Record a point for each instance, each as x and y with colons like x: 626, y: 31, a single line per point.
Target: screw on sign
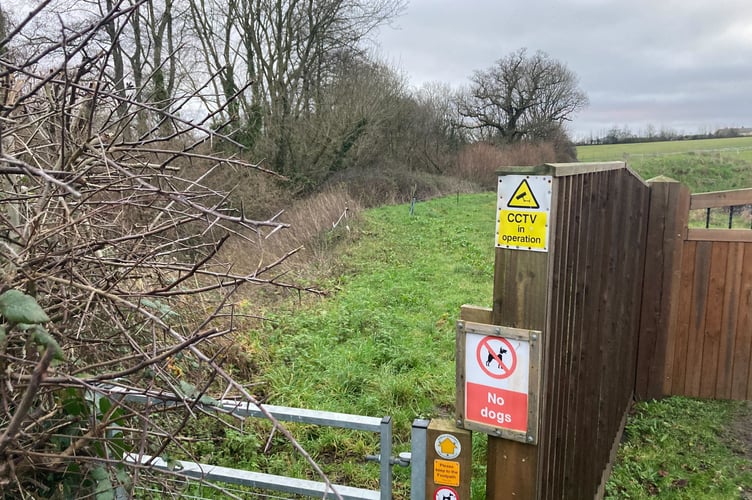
x: 496, y: 357
x: 446, y: 493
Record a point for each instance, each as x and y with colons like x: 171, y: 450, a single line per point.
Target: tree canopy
x: 521, y: 96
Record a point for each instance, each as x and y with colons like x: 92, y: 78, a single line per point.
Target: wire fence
x: 738, y: 151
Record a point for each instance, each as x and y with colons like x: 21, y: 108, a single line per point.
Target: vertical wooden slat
x: 592, y: 424
x: 570, y: 478
x: 640, y: 211
x: 697, y: 319
x: 628, y: 270
x: 680, y: 332
x: 575, y: 345
x: 618, y: 278
x: 678, y: 245
x: 606, y: 305
x: 553, y: 393
x: 568, y: 342
x: 713, y: 317
x: 611, y: 240
x: 583, y: 467
x: 729, y: 320
x: 653, y: 287
x: 622, y: 318
x: 742, y: 352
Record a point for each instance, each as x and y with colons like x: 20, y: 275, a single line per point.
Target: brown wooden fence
x: 696, y: 338
x: 632, y: 304
x: 584, y: 294
x: 596, y: 274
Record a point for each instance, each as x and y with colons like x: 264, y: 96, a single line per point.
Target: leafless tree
x: 433, y: 133
x: 110, y: 268
x: 521, y: 96
x: 288, y: 51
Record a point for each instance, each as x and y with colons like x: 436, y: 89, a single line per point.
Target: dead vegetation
x: 128, y: 240
x: 114, y: 273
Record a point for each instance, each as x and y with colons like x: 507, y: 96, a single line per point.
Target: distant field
x: 740, y: 147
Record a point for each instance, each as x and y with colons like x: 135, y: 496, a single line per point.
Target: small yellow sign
x: 446, y: 472
x: 447, y: 446
x: 523, y: 229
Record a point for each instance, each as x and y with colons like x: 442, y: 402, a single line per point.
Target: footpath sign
x: 449, y: 461
x: 498, y: 380
x: 524, y: 210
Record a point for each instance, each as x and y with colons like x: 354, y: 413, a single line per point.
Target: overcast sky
x: 682, y: 64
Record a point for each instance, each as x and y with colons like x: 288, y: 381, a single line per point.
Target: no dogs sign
x: 499, y: 382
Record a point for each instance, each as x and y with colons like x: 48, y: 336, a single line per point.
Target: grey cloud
x: 663, y: 62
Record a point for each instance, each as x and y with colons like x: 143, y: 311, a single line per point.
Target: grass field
x: 682, y: 448
x: 734, y: 148
x: 703, y: 165
x: 383, y: 344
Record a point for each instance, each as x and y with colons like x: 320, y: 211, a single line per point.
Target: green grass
x: 383, y: 344
x: 704, y: 165
x: 679, y: 448
x: 701, y: 173
x: 739, y: 147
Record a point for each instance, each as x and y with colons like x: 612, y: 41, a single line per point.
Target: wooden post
x: 667, y: 223
x: 520, y: 299
x: 449, y: 461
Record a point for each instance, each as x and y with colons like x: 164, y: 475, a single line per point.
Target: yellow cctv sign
x: 524, y: 207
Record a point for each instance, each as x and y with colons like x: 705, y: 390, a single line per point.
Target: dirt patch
x: 739, y: 438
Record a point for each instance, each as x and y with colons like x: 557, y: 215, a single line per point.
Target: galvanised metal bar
x: 418, y: 459
x: 283, y: 413
x: 283, y: 484
x: 245, y: 409
x: 385, y: 459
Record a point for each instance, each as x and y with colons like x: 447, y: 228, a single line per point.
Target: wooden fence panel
x: 669, y: 202
x: 596, y: 270
x: 679, y: 369
x: 709, y: 341
x: 557, y: 388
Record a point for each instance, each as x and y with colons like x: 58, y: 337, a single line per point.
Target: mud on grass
x: 739, y: 440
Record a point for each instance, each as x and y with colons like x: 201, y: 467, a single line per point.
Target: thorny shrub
x: 110, y: 274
